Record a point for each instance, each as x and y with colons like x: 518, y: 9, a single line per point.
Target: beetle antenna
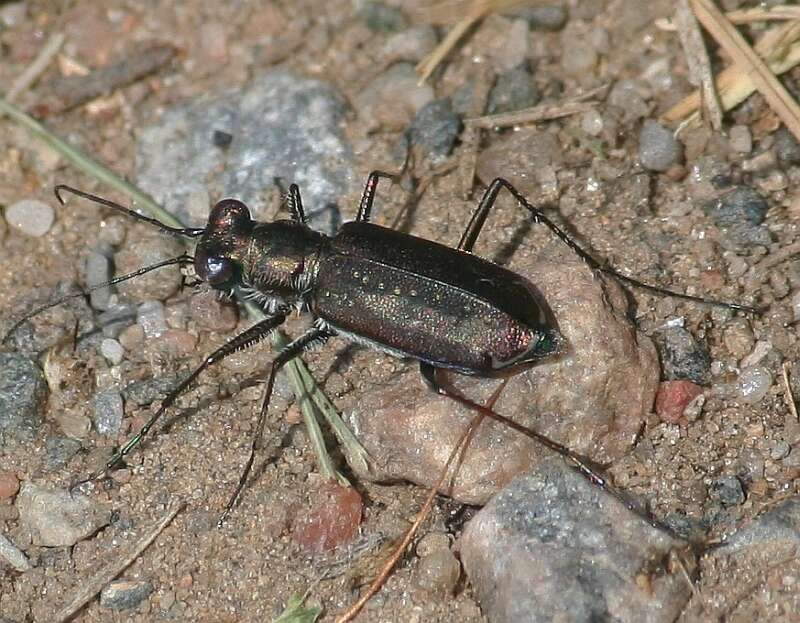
x: 181, y: 260
x: 186, y: 232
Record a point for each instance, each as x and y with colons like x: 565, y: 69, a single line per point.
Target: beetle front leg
x: 245, y: 339
x: 294, y: 349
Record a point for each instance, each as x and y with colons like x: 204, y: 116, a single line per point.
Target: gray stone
x: 116, y: 318
x: 283, y: 125
x: 98, y: 270
x: 151, y: 317
x: 435, y: 129
x: 59, y: 450
x: 513, y: 90
x: 145, y: 248
x: 685, y: 357
x: 592, y: 398
x: 107, y: 412
x: 552, y: 546
x: 56, y: 518
x: 23, y: 391
x: 30, y: 217
x: 728, y: 490
x: 147, y: 391
x: 13, y: 555
x: 112, y: 350
x: 548, y: 17
x: 123, y: 595
x: 658, y: 148
x: 740, y: 214
x: 392, y: 99
x: 381, y: 17
x: 786, y: 147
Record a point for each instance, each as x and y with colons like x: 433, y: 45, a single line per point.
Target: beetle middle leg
x: 312, y: 337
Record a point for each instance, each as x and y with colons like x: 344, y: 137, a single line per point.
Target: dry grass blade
x: 697, y: 59
x: 117, y: 565
x: 788, y: 387
x: 542, y: 112
x: 779, y: 47
x: 745, y: 57
x: 37, y: 67
x: 745, y: 16
x: 477, y: 10
x: 471, y: 137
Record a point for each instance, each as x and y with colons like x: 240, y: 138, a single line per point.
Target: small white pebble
x: 741, y: 139
x: 112, y: 351
x: 30, y: 217
x: 754, y: 383
x: 150, y: 316
x: 592, y: 123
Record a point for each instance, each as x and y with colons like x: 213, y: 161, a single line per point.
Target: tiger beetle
x: 410, y: 297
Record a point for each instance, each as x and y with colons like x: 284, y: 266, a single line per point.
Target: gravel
x: 23, y: 391
x: 685, y: 357
x: 123, y: 594
x: 30, y: 217
x: 658, y: 148
x: 434, y: 130
x: 98, y: 270
x: 513, y: 90
x: 728, y: 490
x: 107, y: 412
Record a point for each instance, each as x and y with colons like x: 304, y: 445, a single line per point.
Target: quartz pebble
x: 112, y: 350
x: 754, y: 383
x: 30, y: 217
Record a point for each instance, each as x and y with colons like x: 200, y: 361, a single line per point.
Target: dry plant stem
x: 543, y: 112
x: 743, y: 55
x: 745, y: 16
x: 780, y: 48
x: 117, y: 565
x: 788, y: 387
x: 471, y: 137
x: 389, y: 565
x: 476, y: 12
x: 28, y: 77
x: 697, y: 59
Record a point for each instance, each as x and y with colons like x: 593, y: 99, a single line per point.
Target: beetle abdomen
x: 445, y: 307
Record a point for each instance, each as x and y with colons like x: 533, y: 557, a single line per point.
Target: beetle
x: 445, y: 307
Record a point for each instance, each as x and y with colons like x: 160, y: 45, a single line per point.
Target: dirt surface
x: 651, y: 225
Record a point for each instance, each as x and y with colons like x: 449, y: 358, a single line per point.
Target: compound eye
x: 217, y: 270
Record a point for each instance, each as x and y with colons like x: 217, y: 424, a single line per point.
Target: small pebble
x: 59, y: 450
x: 578, y: 57
x: 144, y: 249
x: 211, y: 313
x: 12, y: 13
x: 131, y: 338
x: 122, y: 594
x: 107, y: 411
x: 741, y: 139
x: 30, y: 217
x: 73, y: 423
x: 9, y: 485
x: 673, y: 397
x: 143, y: 393
x: 112, y: 350
x: 740, y: 205
x: 410, y: 45
x: 435, y: 129
x: 786, y: 147
x: 438, y: 572
x: 14, y: 557
x: 116, y: 319
x: 393, y: 98
x: 780, y: 450
x: 513, y: 90
x: 113, y: 230
x: 728, y: 490
x: 380, y: 17
x: 515, y: 48
x: 334, y: 519
x: 626, y: 95
x: 685, y: 357
x: 150, y: 316
x: 739, y: 338
x: 56, y: 518
x: 98, y: 270
x: 658, y: 147
x: 592, y: 123
x: 549, y: 17
x: 23, y: 391
x: 754, y: 383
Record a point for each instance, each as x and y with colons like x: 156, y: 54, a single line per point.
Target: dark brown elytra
x: 408, y: 296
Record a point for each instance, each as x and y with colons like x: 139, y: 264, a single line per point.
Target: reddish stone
x: 673, y: 397
x: 9, y: 485
x: 333, y: 521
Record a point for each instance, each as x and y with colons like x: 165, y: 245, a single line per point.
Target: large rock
x: 592, y: 399
x: 554, y: 547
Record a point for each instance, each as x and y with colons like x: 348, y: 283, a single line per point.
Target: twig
x: 743, y: 55
x: 745, y: 16
x: 761, y: 270
x: 115, y: 566
x: 477, y: 11
x: 788, y: 387
x: 28, y: 77
x: 780, y: 49
x: 471, y: 137
x: 543, y: 112
x: 697, y: 59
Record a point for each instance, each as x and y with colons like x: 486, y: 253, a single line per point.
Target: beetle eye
x: 217, y: 270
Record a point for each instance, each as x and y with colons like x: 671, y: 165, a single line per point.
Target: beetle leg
x: 488, y: 200
x: 292, y: 199
x: 368, y: 196
x: 312, y: 337
x: 245, y: 339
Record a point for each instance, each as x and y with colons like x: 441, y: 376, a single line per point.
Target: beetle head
x: 218, y: 257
